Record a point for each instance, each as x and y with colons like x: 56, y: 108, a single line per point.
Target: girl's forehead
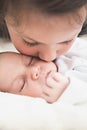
x: 37, y: 26
x: 31, y: 17
x: 46, y: 31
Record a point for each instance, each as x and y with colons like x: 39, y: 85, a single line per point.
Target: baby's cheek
x: 38, y: 91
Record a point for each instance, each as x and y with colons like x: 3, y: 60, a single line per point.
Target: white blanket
x: 26, y: 113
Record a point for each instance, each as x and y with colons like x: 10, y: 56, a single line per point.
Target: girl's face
x: 44, y: 36
x: 24, y: 75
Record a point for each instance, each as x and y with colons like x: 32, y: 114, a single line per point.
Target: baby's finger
x: 48, y: 98
x: 47, y: 90
x: 51, y: 82
x: 57, y: 78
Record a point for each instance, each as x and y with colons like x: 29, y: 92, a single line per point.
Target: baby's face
x: 24, y: 75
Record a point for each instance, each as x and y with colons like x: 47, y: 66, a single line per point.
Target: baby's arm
x: 56, y: 84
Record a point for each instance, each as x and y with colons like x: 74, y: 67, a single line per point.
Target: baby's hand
x: 56, y: 84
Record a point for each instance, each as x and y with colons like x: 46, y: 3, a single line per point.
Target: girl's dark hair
x: 84, y: 29
x: 50, y: 7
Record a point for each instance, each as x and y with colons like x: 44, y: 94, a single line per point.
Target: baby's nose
x: 35, y: 72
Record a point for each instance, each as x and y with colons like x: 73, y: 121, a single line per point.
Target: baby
x: 29, y: 76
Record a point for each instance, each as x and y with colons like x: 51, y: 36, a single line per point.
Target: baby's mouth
x: 47, y: 74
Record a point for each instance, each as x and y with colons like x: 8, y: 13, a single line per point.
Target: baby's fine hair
x: 49, y: 7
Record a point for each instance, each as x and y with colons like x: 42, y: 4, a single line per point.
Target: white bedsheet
x: 26, y: 113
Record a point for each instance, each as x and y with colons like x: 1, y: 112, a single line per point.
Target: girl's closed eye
x: 68, y: 42
x: 31, y: 44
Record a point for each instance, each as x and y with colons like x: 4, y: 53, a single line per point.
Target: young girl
x: 42, y: 28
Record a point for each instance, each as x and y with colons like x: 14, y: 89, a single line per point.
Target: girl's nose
x: 35, y: 72
x: 49, y: 54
